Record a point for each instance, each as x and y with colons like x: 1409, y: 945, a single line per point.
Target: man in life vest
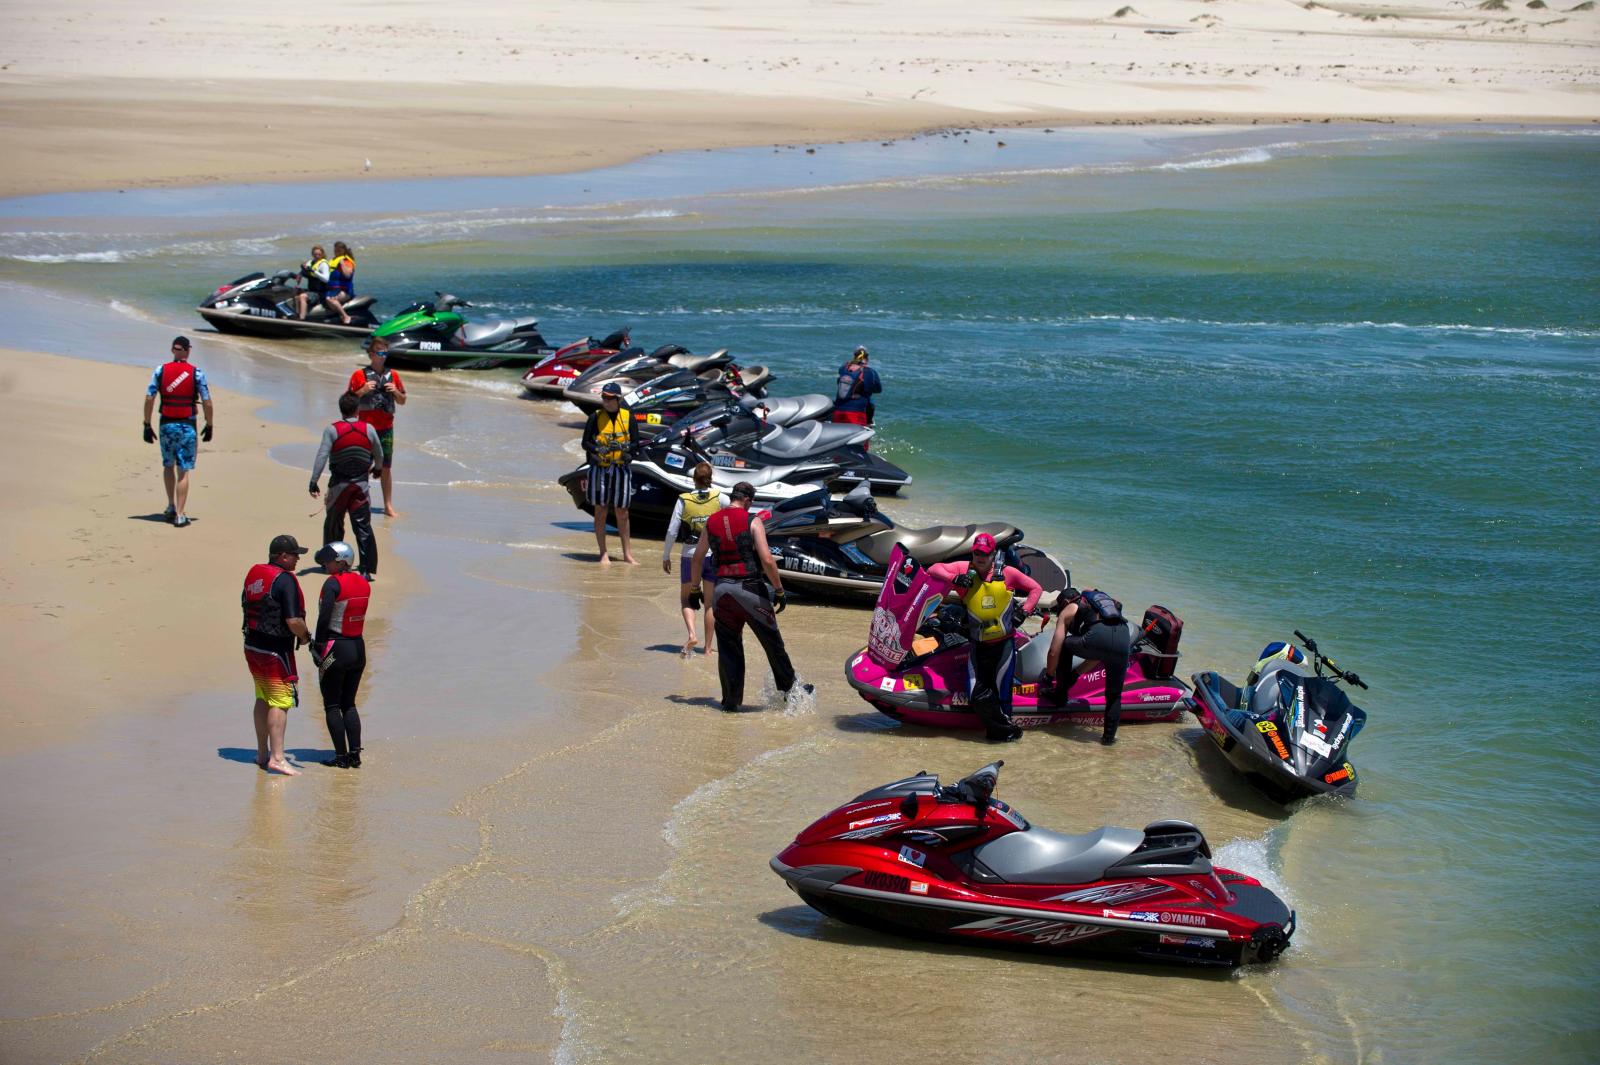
x: 352, y: 452
x: 182, y: 388
x: 989, y: 591
x: 858, y: 383
x: 274, y: 625
x: 341, y: 287
x: 737, y: 541
x: 380, y: 391
x: 1090, y: 625
x: 316, y: 271
x: 608, y: 441
x: 340, y: 650
x: 689, y: 515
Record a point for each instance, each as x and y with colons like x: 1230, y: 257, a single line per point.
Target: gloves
x: 779, y: 600
x: 315, y: 489
x: 205, y: 434
x: 149, y: 434
x: 964, y: 581
x: 697, y: 599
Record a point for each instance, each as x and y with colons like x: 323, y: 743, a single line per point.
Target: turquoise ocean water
x: 1346, y: 381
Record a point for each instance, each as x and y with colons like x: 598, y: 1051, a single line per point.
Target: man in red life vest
x: 340, y: 650
x: 380, y: 391
x: 741, y: 597
x: 274, y: 625
x: 182, y: 388
x: 352, y: 452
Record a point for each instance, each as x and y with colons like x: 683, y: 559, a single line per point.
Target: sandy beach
x: 179, y: 93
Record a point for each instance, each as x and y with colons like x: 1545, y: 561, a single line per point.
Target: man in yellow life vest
x: 988, y: 589
x: 608, y: 441
x: 689, y: 516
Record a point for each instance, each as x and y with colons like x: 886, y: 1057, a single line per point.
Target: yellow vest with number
x: 611, y: 437
x: 987, y: 604
x: 698, y: 507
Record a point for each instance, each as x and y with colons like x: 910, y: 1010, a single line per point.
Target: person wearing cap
x: 989, y: 590
x: 352, y: 452
x: 182, y: 387
x: 737, y: 542
x: 274, y: 625
x: 1090, y: 625
x: 380, y: 390
x: 340, y: 650
x: 858, y: 383
x: 608, y: 441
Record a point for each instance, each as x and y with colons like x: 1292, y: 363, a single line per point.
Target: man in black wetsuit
x: 1090, y: 625
x: 741, y: 597
x: 340, y: 650
x: 352, y: 451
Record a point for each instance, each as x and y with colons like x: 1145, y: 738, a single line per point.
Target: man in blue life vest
x: 182, y: 388
x: 858, y: 383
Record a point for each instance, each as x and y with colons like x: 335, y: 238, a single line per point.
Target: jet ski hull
x: 1249, y: 750
x: 245, y: 323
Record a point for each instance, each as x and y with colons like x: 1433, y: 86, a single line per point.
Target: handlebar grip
x: 1311, y: 645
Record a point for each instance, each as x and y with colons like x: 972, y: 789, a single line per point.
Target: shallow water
x: 1343, y: 380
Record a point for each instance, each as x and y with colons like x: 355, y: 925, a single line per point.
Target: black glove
x: 697, y: 599
x: 149, y: 434
x: 779, y: 600
x: 964, y: 581
x: 205, y: 434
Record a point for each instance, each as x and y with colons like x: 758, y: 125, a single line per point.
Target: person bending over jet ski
x: 689, y: 515
x: 988, y: 590
x: 1090, y: 625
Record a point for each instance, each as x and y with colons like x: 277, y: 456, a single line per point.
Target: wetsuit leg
x: 989, y: 665
x: 729, y: 616
x: 764, y: 623
x: 1110, y: 645
x: 360, y: 507
x: 332, y: 684
x: 348, y: 690
x: 333, y: 520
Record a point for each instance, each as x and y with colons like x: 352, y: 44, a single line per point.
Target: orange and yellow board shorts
x: 275, y: 677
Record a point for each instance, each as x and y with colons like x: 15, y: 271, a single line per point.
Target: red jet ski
x: 551, y: 375
x: 956, y: 864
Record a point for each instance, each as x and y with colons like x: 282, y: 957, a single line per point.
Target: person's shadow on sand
x: 297, y: 755
x: 709, y: 701
x: 158, y: 517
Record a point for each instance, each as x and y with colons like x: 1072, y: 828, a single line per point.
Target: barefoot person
x: 380, y: 391
x: 608, y: 441
x: 316, y: 271
x: 341, y: 287
x: 352, y: 452
x: 689, y: 516
x: 181, y: 386
x: 274, y: 625
x: 341, y: 651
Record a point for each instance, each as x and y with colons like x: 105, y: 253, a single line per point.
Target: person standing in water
x: 274, y: 625
x: 689, y: 515
x: 988, y: 590
x: 380, y: 392
x: 340, y: 650
x: 739, y: 543
x: 858, y: 383
x: 182, y: 387
x: 352, y: 452
x: 608, y: 441
x: 1091, y: 626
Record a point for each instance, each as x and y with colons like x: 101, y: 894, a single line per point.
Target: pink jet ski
x: 914, y: 667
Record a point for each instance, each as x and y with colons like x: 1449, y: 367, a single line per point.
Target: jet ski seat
x: 1032, y: 658
x: 789, y: 410
x: 725, y: 477
x: 937, y: 542
x: 809, y: 438
x: 482, y: 334
x: 357, y: 304
x: 1039, y: 856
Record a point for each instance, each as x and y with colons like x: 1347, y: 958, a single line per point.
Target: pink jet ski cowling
x: 922, y: 681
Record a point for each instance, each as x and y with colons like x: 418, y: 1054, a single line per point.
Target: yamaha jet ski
x: 779, y: 410
x: 914, y: 667
x: 1289, y: 729
x: 657, y: 486
x: 668, y: 398
x: 553, y: 373
x: 263, y: 306
x: 435, y: 336
x: 744, y: 441
x: 841, y: 547
x: 630, y: 370
x: 955, y: 863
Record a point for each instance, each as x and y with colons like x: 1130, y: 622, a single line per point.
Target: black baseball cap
x: 611, y: 388
x: 181, y: 342
x: 283, y: 543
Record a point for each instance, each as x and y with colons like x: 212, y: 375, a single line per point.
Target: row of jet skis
x: 915, y: 857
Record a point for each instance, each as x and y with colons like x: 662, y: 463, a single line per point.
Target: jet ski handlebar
x: 1320, y: 660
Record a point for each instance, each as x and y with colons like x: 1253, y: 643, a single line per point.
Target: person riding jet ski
x: 1090, y: 625
x: 988, y: 591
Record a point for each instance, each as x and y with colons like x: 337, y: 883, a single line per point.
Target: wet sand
x: 558, y: 844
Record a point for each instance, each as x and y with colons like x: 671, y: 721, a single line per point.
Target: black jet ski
x: 262, y: 305
x: 774, y: 410
x: 632, y: 369
x: 663, y: 401
x: 433, y: 335
x: 742, y: 440
x: 842, y: 547
x: 1289, y: 729
x: 656, y: 488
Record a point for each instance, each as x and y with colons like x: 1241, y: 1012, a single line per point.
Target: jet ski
x: 668, y: 398
x: 657, y: 486
x: 954, y: 863
x: 551, y: 374
x: 262, y: 305
x: 841, y: 547
x: 1289, y: 729
x: 630, y: 370
x: 914, y: 667
x: 435, y: 336
x: 779, y: 410
x: 744, y: 441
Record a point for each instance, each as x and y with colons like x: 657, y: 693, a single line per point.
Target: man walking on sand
x: 352, y: 452
x: 182, y: 387
x: 608, y: 441
x: 274, y: 625
x: 380, y: 390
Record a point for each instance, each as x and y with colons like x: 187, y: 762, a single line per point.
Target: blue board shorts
x: 708, y: 568
x: 179, y: 442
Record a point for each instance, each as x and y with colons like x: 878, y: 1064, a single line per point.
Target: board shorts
x: 386, y: 438
x: 275, y: 677
x: 611, y: 486
x: 708, y: 568
x: 179, y: 443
